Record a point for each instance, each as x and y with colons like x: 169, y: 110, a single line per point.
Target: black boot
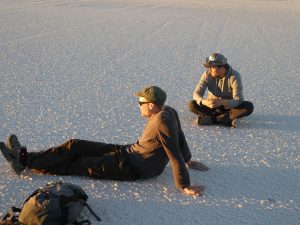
x: 13, y: 142
x: 225, y: 120
x: 16, y: 157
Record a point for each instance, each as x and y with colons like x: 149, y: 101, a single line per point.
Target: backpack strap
x: 33, y: 194
x: 82, y: 222
x: 92, y: 212
x: 11, y: 217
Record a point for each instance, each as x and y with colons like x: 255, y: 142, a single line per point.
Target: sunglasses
x: 142, y: 103
x: 216, y: 67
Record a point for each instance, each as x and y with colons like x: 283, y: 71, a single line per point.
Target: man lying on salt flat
x: 162, y: 140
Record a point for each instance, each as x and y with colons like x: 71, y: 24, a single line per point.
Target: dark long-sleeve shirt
x: 162, y: 140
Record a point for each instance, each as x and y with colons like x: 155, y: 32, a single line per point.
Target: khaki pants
x: 84, y: 158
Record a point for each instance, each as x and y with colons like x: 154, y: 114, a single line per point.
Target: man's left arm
x: 185, y: 150
x: 169, y: 139
x: 237, y: 92
x: 236, y: 89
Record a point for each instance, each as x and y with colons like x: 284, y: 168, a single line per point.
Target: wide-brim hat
x: 215, y: 59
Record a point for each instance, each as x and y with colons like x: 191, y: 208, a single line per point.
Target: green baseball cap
x: 215, y: 59
x: 153, y: 94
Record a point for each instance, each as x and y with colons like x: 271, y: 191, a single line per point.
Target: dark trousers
x: 244, y: 109
x: 85, y: 158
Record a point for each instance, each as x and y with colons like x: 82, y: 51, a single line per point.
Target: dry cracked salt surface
x: 69, y: 70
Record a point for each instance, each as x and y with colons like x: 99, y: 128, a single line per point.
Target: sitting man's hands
x: 193, y: 190
x: 196, y: 165
x: 214, y: 103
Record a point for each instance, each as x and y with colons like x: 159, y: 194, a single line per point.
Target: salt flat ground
x: 69, y: 70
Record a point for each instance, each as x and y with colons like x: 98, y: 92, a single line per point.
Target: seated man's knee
x: 192, y: 105
x: 250, y: 107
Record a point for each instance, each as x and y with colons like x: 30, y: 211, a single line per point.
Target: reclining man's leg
x: 57, y: 159
x: 110, y: 167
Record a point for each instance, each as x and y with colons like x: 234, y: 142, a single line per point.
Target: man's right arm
x: 200, y: 88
